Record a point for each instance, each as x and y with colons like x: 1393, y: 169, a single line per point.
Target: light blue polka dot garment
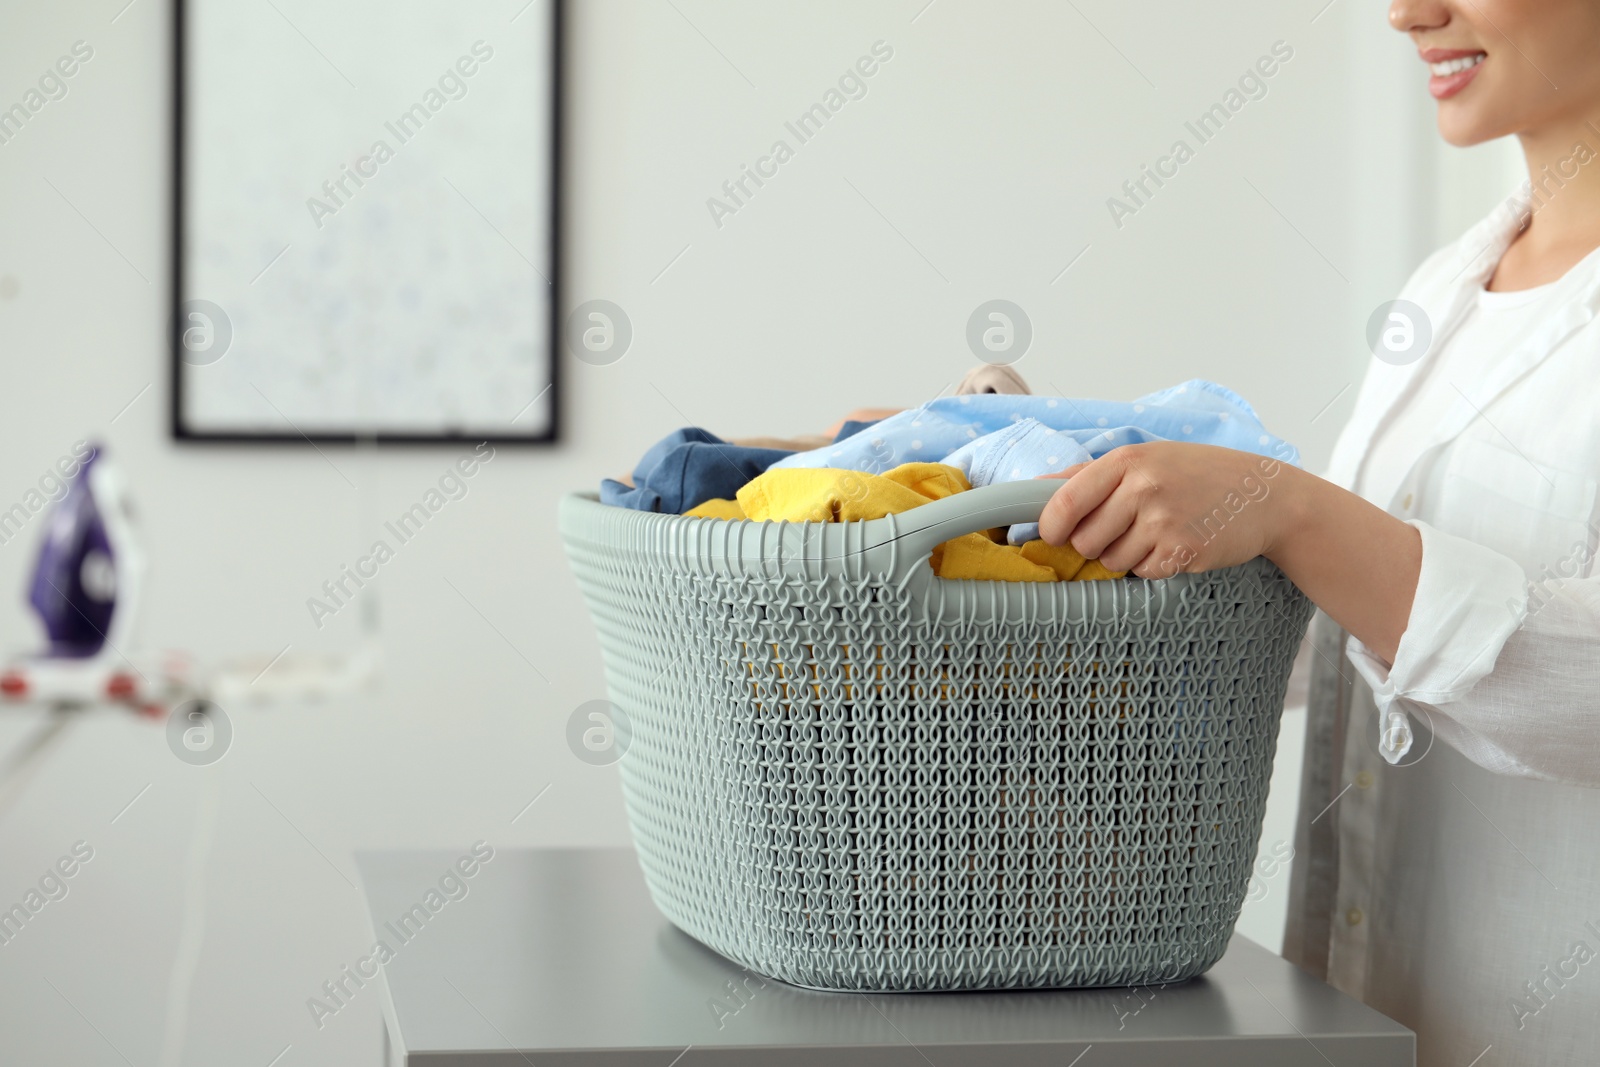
x: 999, y: 438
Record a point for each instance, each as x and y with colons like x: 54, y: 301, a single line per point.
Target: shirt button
x: 1353, y: 916
x: 1405, y: 505
x: 1364, y: 780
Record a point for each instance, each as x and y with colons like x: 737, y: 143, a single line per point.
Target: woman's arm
x: 1443, y: 628
x: 1357, y: 562
x: 1162, y: 508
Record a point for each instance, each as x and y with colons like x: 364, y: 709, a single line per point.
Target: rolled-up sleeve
x: 1505, y: 672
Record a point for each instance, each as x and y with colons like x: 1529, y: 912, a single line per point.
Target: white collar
x: 1445, y: 288
x: 1476, y: 253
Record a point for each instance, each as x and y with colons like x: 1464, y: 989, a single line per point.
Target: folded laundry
x: 993, y: 430
x: 685, y: 468
x: 833, y: 495
x: 998, y: 437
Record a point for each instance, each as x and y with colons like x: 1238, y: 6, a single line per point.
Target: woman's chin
x: 1461, y: 128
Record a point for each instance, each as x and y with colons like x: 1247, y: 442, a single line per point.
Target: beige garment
x: 803, y: 443
x: 990, y: 378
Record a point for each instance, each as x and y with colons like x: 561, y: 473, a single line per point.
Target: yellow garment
x: 829, y: 495
x: 717, y: 509
x: 1067, y: 562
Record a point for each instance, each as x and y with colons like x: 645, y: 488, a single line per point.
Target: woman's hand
x: 1166, y: 507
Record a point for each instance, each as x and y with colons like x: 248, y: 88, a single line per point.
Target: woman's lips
x: 1445, y: 85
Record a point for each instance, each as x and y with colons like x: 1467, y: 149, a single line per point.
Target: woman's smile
x: 1452, y: 69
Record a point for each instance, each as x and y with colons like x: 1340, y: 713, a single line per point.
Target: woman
x: 1451, y: 881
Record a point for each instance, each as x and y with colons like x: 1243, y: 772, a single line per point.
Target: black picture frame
x: 180, y: 140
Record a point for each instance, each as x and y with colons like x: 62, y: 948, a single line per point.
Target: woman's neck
x: 1564, y: 172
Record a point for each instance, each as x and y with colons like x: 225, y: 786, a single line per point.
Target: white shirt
x: 1456, y: 887
x: 1491, y: 327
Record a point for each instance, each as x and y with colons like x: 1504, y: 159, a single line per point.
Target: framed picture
x: 366, y: 205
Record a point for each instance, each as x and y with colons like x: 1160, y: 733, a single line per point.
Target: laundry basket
x: 847, y: 773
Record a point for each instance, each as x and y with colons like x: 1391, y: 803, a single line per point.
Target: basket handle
x: 915, y: 533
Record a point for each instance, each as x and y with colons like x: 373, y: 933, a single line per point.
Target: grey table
x: 557, y: 958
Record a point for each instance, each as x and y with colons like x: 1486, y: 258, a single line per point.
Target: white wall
x: 977, y: 166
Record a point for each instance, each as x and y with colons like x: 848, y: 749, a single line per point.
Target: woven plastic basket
x: 847, y: 773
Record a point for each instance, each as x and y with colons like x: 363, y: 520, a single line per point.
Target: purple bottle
x: 74, y: 587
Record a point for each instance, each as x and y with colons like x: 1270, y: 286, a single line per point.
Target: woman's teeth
x: 1455, y: 66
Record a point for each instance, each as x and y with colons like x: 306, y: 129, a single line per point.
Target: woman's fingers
x: 1161, y: 561
x: 1112, y: 521
x: 1089, y: 486
x: 1161, y: 508
x: 1068, y: 472
x: 1128, y: 552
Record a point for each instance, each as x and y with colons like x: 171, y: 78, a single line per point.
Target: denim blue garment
x: 1000, y: 438
x: 685, y: 469
x: 852, y: 427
